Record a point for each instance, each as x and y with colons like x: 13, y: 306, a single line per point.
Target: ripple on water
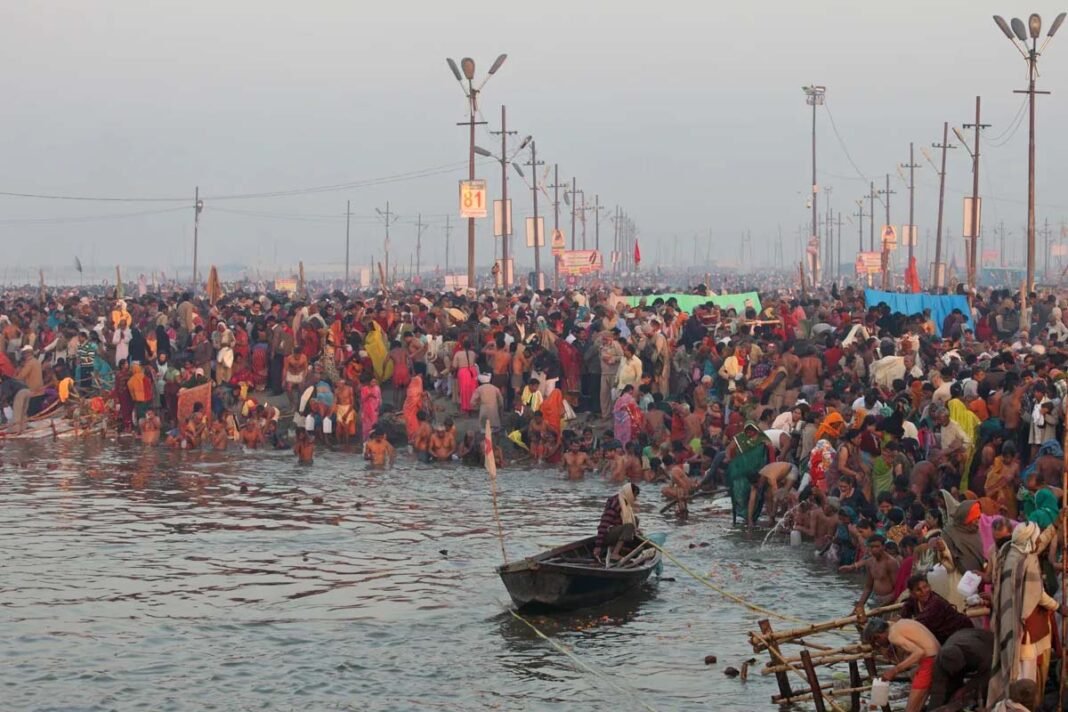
x: 146, y: 579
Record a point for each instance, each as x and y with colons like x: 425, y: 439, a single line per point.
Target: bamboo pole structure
x: 783, y: 636
x: 815, y: 687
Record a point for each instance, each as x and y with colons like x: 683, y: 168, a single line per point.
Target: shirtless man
x: 193, y: 428
x: 576, y: 461
x: 343, y: 410
x: 695, y: 424
x: 922, y: 477
x: 442, y: 443
x: 536, y: 432
x: 679, y: 485
x: 251, y: 435
x: 377, y: 450
x: 296, y: 368
x: 881, y: 573
x: 654, y: 423
x: 810, y: 369
x: 420, y: 439
x: 913, y: 646
x: 219, y: 437
x: 633, y: 460
x: 304, y: 447
x: 150, y: 428
x: 770, y: 478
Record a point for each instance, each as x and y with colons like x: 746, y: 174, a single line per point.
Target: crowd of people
x: 926, y: 455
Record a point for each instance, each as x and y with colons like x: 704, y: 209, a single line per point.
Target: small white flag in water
x: 491, y: 462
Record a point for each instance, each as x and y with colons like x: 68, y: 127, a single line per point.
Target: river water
x: 135, y: 578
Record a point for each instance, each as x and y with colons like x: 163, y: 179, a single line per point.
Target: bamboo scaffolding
x: 808, y: 675
x: 787, y: 635
x: 826, y: 659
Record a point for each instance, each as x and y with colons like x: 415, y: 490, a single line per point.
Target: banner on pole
x: 968, y: 231
x: 497, y: 218
x: 558, y: 241
x: 908, y: 235
x: 889, y: 237
x: 530, y: 231
x: 869, y: 263
x: 472, y: 198
x: 575, y: 263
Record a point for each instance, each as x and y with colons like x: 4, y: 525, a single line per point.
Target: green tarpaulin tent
x: 687, y: 302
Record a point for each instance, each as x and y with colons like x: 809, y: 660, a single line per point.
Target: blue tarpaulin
x: 910, y: 304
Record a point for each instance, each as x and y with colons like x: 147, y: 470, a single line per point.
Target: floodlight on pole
x: 1034, y: 24
x: 1018, y: 29
x: 497, y: 63
x: 1056, y: 24
x: 518, y: 170
x: 455, y: 70
x: 468, y: 66
x: 483, y: 152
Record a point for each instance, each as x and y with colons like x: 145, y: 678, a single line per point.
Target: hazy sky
x: 689, y: 115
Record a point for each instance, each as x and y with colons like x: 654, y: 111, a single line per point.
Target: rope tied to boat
x: 721, y: 591
x: 579, y: 663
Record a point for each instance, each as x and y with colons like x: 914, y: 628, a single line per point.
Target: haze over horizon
x: 690, y: 117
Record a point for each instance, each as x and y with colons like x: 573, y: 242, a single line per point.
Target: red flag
x: 912, y: 277
x: 637, y: 254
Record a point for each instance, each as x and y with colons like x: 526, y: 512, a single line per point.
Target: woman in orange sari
x: 414, y: 399
x: 552, y: 410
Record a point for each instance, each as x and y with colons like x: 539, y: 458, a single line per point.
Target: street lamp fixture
x: 1018, y: 33
x: 465, y: 77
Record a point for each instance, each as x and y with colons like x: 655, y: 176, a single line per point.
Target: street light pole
x: 538, y: 234
x: 939, y: 273
x: 348, y: 216
x: 471, y: 92
x: 814, y: 96
x: 1030, y: 53
x: 973, y: 233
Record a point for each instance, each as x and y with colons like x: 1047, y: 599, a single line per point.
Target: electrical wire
x: 1013, y: 125
x: 336, y: 187
x: 88, y: 218
x: 841, y: 142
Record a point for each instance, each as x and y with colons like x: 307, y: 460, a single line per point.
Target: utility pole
x: 448, y: 231
x: 886, y: 247
x: 827, y: 254
x: 534, y: 193
x: 506, y: 231
x: 860, y: 225
x: 1046, y: 235
x: 419, y: 245
x: 871, y: 217
x: 556, y: 219
x: 597, y: 224
x: 838, y: 264
x: 574, y: 185
x: 814, y: 96
x: 390, y: 218
x: 939, y: 274
x: 973, y: 234
x: 198, y: 207
x: 1001, y: 232
x: 556, y: 196
x: 911, y: 237
x: 348, y: 216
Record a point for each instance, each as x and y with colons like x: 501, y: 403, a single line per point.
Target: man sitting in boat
x: 619, y: 523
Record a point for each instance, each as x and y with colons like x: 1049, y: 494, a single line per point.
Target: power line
x: 841, y: 142
x: 384, y: 180
x: 86, y: 218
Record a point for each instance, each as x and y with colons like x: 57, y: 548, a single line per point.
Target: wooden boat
x: 568, y: 576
